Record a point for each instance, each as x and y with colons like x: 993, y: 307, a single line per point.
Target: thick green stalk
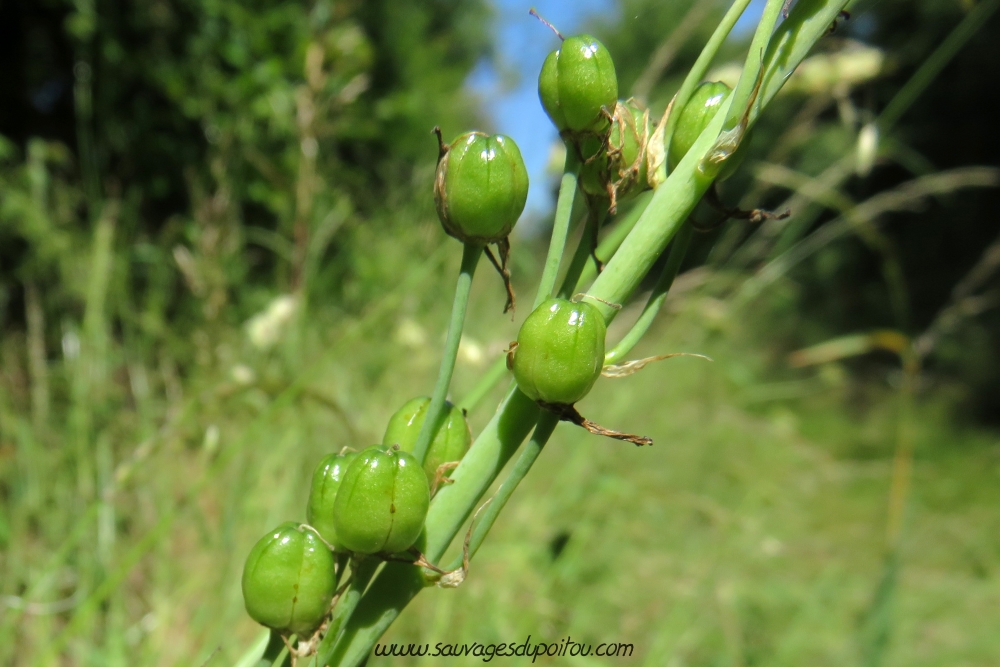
x: 547, y: 422
x: 609, y: 246
x: 560, y: 226
x: 677, y: 252
x: 435, y: 411
x: 667, y: 211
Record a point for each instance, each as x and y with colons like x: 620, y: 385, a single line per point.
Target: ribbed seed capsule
x: 288, y: 580
x: 576, y: 83
x: 323, y: 494
x: 382, y: 502
x: 560, y: 351
x: 480, y: 187
x: 450, y: 444
x: 695, y: 117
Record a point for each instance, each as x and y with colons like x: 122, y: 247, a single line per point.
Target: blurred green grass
x: 146, y: 442
x: 753, y: 532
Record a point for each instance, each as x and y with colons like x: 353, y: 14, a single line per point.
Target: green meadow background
x: 220, y: 261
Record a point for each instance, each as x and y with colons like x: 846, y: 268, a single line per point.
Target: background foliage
x: 219, y: 261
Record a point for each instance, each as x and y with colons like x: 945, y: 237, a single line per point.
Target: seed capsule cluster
x: 375, y: 501
x: 360, y: 503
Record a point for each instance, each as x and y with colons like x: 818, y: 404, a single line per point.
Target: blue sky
x: 510, y: 90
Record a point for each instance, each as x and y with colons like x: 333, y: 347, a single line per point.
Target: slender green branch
x: 755, y: 61
x: 557, y: 245
x: 435, y: 411
x: 584, y: 249
x: 609, y: 246
x: 263, y: 652
x: 560, y: 226
x: 496, y: 372
x: 697, y: 71
x: 255, y: 654
x: 547, y: 422
x: 282, y: 656
x: 936, y: 62
x: 344, y: 610
x: 677, y: 252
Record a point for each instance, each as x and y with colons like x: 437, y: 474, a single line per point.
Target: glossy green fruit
x: 576, y: 83
x: 323, y: 493
x: 697, y: 114
x: 288, y: 580
x: 480, y: 187
x: 695, y: 117
x: 382, y: 501
x: 560, y: 351
x: 451, y: 443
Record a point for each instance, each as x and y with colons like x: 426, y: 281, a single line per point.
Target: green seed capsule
x: 628, y: 142
x: 323, y: 493
x: 480, y: 187
x: 576, y: 83
x: 288, y: 580
x: 451, y: 443
x: 624, y: 166
x: 560, y: 351
x: 697, y: 114
x: 382, y: 502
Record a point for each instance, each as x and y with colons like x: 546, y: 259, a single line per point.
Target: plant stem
x: 435, y: 411
x: 560, y: 226
x: 609, y: 246
x: 263, y: 652
x: 755, y: 61
x: 281, y: 658
x: 398, y: 583
x: 546, y: 424
x: 697, y: 72
x: 348, y: 602
x: 595, y: 216
x: 557, y: 245
x: 496, y: 372
x: 677, y: 251
x: 936, y: 62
